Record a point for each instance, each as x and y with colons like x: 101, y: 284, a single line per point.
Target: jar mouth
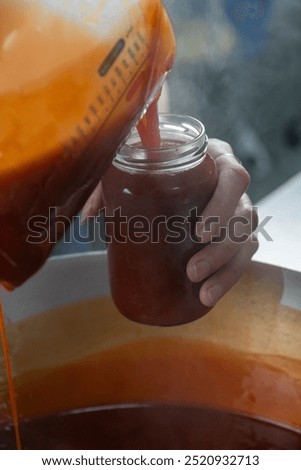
x: 183, y: 140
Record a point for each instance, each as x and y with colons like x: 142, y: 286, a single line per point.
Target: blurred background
x: 238, y: 70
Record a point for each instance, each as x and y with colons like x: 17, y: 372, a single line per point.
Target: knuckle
x: 221, y: 254
x: 220, y: 146
x: 240, y: 174
x: 245, y: 211
x: 227, y: 147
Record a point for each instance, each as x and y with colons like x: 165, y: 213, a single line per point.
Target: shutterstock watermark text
x: 138, y: 229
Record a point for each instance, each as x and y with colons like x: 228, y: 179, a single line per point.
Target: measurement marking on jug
x: 93, y: 110
x: 81, y: 132
x: 137, y: 46
x: 108, y: 93
x: 111, y: 58
x: 132, y: 55
x: 88, y: 121
x: 119, y: 74
x: 128, y: 86
x: 113, y: 82
x: 122, y: 65
x: 140, y: 37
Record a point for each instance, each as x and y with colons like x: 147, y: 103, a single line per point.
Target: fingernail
x: 198, y: 271
x: 213, y: 294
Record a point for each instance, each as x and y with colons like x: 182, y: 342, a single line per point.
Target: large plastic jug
x: 75, y: 76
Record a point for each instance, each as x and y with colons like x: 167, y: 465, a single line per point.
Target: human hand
x: 224, y: 260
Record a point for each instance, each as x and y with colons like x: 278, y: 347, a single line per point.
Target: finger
x: 233, y: 181
x: 217, y: 147
x: 221, y: 281
x: 243, y: 222
x: 218, y: 253
x: 93, y: 204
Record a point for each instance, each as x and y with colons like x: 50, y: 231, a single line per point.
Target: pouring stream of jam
x: 148, y: 127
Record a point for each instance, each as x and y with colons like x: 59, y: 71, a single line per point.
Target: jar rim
x: 185, y: 142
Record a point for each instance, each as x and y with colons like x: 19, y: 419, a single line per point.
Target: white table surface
x: 284, y: 205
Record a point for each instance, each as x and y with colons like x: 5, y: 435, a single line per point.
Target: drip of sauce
x: 10, y: 382
x: 148, y: 127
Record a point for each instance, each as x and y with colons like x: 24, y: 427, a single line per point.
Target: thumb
x: 93, y: 204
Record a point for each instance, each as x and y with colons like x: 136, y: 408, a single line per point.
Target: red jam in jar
x: 153, y: 199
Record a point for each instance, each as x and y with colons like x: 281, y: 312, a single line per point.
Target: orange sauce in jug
x: 67, y: 101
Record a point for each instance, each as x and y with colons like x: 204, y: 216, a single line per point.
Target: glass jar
x: 153, y: 199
